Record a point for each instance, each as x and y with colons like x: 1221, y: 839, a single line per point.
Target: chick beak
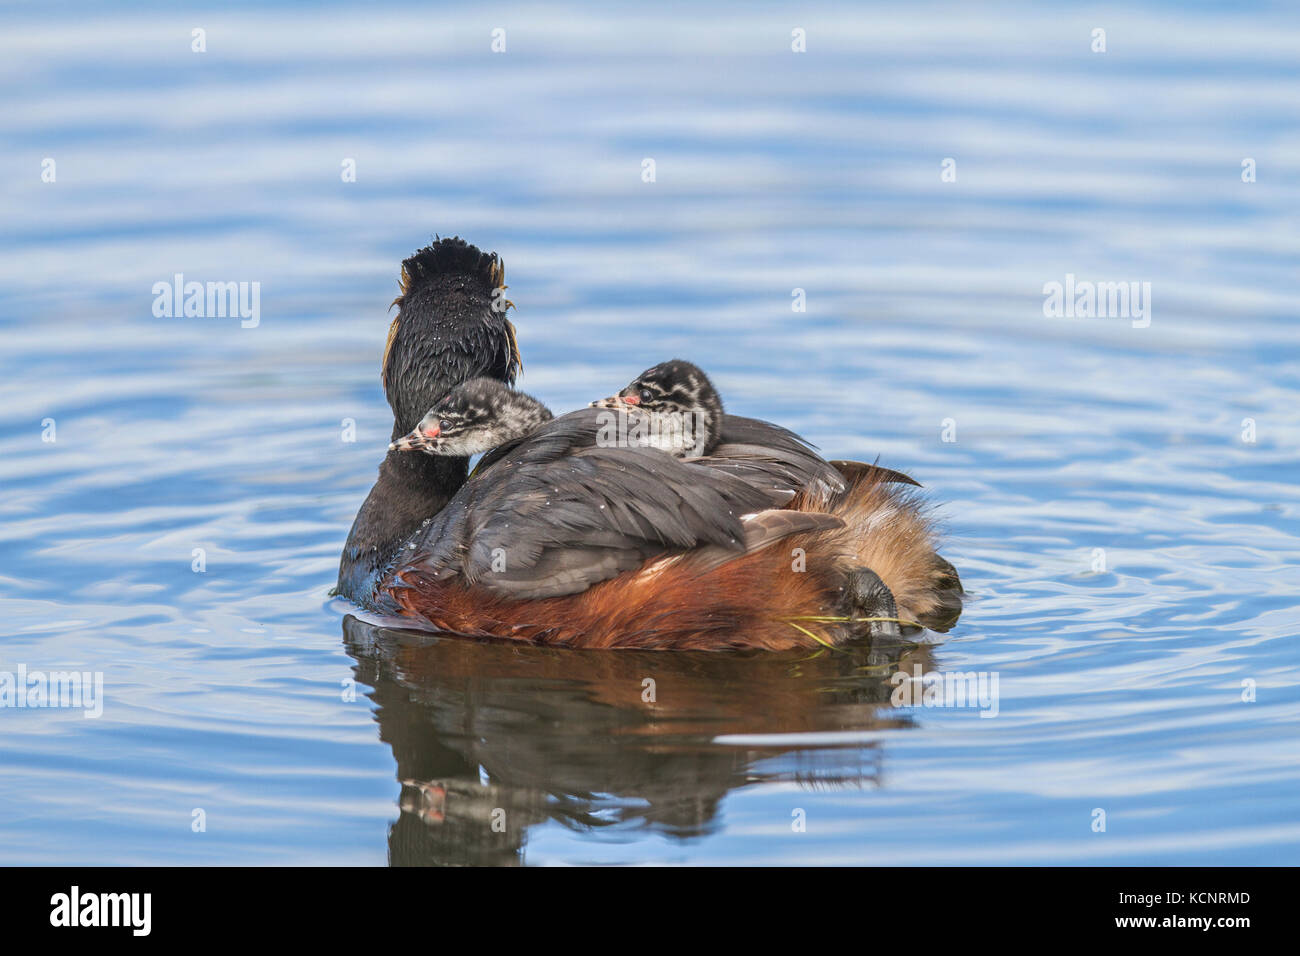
x: 418, y: 440
x: 617, y: 401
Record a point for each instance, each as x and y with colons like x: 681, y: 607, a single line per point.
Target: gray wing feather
x: 557, y: 513
x: 558, y: 527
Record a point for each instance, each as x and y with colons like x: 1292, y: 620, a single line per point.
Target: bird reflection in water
x: 492, y: 739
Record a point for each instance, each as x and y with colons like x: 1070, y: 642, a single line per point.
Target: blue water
x: 1131, y: 555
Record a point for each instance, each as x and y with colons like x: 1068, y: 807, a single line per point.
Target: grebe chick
x: 475, y: 416
x: 678, y: 409
x: 672, y: 407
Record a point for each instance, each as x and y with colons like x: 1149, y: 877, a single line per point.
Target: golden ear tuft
x: 388, y: 345
x: 514, y: 349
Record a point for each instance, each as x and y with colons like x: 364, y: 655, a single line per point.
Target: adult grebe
x: 850, y: 545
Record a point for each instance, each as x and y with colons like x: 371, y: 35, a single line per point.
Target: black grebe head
x: 683, y: 410
x: 451, y: 326
x: 474, y: 417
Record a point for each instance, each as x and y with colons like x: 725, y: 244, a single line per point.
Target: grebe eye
x: 646, y: 396
x: 443, y: 424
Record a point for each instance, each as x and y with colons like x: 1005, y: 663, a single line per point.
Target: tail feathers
x: 857, y: 470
